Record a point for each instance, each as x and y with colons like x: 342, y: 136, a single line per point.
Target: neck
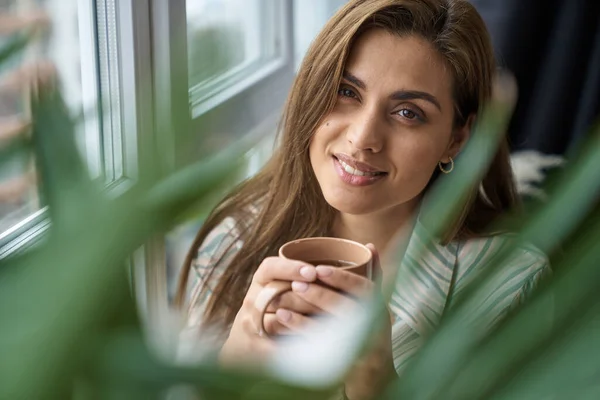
x: 376, y: 228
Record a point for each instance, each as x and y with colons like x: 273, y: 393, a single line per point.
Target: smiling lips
x: 355, y: 172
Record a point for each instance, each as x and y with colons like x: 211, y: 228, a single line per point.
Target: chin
x: 350, y: 207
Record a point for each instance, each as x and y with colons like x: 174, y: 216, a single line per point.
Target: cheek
x: 315, y: 149
x: 320, y: 139
x: 417, y: 159
x: 313, y: 145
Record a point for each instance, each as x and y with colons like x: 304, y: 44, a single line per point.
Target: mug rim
x: 326, y: 238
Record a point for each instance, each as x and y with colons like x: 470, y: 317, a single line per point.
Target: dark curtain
x: 553, y: 49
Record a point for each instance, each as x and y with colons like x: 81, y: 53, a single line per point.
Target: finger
x: 278, y: 268
x: 253, y: 333
x: 294, y: 322
x: 345, y: 281
x: 292, y: 301
x: 326, y: 299
x: 274, y: 327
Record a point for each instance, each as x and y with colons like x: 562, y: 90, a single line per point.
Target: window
x: 309, y: 18
x: 229, y: 42
x: 240, y: 67
x: 242, y: 56
x: 88, y: 42
x: 70, y: 46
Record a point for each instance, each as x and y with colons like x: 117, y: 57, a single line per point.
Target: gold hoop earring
x: 447, y: 171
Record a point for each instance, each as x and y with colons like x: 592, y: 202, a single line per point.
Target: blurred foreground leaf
x: 441, y: 363
x: 55, y: 300
x: 13, y: 47
x: 125, y: 362
x: 67, y: 315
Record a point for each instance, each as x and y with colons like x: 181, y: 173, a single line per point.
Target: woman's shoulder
x: 486, y: 248
x: 519, y: 266
x: 480, y: 251
x: 225, y: 239
x: 222, y: 239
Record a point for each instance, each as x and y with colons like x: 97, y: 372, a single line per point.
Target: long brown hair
x: 291, y: 202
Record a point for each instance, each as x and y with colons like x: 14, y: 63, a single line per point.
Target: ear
x: 460, y: 137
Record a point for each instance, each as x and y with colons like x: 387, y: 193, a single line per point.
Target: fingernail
x: 308, y: 272
x: 299, y: 286
x: 283, y: 315
x: 324, y: 271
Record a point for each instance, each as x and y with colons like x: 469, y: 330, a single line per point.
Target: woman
x: 382, y: 105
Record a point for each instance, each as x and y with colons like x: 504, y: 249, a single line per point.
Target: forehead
x: 387, y: 61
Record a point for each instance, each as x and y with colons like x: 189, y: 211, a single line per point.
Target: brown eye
x: 345, y: 92
x: 408, y: 114
x: 411, y: 115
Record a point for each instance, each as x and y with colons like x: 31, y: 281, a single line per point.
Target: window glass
x: 61, y: 44
x: 228, y: 40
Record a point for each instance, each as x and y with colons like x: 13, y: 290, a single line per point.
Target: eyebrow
x: 399, y: 95
x: 351, y: 78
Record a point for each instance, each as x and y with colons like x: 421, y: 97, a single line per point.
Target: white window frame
x: 31, y: 229
x: 262, y: 92
x: 262, y: 95
x: 206, y: 96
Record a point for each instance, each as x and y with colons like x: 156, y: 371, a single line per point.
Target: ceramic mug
x: 339, y: 253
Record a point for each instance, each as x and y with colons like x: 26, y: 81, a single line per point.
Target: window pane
x: 229, y: 39
x: 309, y: 18
x: 61, y: 45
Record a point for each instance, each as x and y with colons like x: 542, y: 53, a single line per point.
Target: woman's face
x: 392, y: 124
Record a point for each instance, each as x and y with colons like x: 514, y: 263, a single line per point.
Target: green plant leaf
x: 454, y: 337
x: 64, y: 303
x: 173, y: 196
x: 124, y: 360
x: 64, y: 181
x: 520, y: 340
x: 14, y: 46
x: 448, y: 196
x: 17, y: 148
x: 579, y: 189
x: 568, y: 370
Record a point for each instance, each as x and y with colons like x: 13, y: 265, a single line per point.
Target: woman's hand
x: 375, y: 369
x: 245, y: 342
x: 293, y: 311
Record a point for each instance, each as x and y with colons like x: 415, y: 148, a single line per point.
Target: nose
x: 365, y: 132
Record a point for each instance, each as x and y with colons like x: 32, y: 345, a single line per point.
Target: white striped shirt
x: 430, y: 278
